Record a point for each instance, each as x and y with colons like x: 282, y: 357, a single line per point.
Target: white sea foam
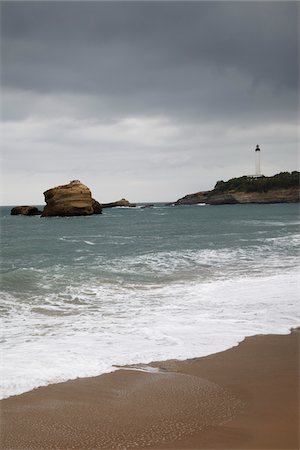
x: 89, y: 329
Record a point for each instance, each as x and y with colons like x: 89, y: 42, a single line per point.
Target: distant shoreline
x: 166, y: 204
x: 75, y: 199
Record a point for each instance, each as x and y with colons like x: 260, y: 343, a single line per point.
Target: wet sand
x: 244, y: 398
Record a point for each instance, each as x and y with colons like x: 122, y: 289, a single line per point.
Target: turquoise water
x: 82, y: 294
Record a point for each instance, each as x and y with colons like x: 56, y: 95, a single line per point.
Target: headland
x: 281, y: 188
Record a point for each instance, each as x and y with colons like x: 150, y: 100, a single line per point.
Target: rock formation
x: 193, y: 199
x: 222, y: 199
x: 97, y: 208
x: 25, y: 211
x: 288, y: 195
x: 73, y: 199
x: 123, y: 202
x: 280, y: 188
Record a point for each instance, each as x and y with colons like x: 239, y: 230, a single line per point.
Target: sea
x: 83, y: 295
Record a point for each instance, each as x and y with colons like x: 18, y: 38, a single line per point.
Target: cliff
x: 281, y: 188
x: 288, y: 195
x: 192, y: 199
x: 73, y: 199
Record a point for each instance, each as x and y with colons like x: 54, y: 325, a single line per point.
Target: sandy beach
x: 244, y: 398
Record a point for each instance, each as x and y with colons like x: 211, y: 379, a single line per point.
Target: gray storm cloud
x: 146, y: 99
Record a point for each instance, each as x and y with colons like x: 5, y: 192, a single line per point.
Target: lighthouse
x: 257, y: 162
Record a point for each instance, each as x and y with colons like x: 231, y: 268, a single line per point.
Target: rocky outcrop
x: 288, y: 195
x: 193, y: 199
x: 123, y: 202
x: 283, y: 187
x: 25, y: 211
x: 73, y: 199
x: 221, y: 199
x: 97, y: 208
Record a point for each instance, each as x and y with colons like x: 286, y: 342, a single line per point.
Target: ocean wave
x: 119, y: 326
x: 21, y: 278
x: 265, y: 256
x: 193, y: 282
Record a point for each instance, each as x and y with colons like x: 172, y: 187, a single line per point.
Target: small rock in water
x: 25, y: 211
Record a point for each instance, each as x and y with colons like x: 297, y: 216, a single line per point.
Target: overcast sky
x: 146, y: 100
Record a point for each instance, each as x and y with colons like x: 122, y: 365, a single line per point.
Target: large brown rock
x: 25, y: 211
x: 73, y: 199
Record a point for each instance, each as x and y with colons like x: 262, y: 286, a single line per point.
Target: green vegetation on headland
x: 282, y: 180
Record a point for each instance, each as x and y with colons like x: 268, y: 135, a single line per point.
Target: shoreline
x: 245, y: 397
x: 150, y: 364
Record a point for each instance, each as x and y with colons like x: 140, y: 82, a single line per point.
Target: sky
x: 145, y: 100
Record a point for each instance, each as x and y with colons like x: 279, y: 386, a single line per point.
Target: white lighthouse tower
x: 257, y: 162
